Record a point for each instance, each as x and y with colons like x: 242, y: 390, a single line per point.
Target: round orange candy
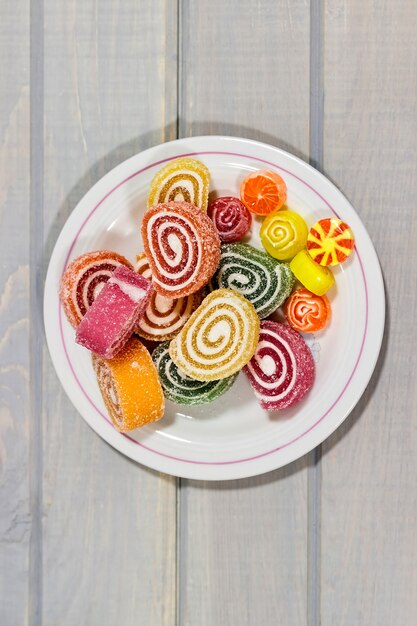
x: 330, y: 241
x: 263, y: 192
x: 306, y: 312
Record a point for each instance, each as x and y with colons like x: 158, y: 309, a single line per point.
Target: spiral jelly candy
x: 83, y: 280
x: 306, y: 312
x: 282, y: 368
x: 130, y: 387
x: 330, y: 241
x: 265, y: 282
x: 111, y: 319
x: 219, y: 338
x: 230, y: 217
x: 311, y: 275
x: 185, y: 180
x: 163, y: 317
x: 182, y: 247
x: 182, y: 389
x: 283, y: 234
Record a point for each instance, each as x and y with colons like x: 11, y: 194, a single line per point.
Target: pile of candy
x: 202, y: 297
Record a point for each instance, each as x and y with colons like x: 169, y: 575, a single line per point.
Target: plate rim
x: 155, y: 459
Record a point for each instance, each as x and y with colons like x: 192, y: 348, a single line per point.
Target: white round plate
x: 232, y: 437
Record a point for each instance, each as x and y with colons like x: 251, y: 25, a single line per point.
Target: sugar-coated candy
x: 114, y: 314
x: 306, y: 312
x: 219, y: 338
x: 282, y: 368
x: 262, y: 280
x: 181, y: 180
x: 182, y: 389
x: 83, y: 280
x: 163, y: 317
x: 283, y: 234
x: 311, y: 275
x: 263, y: 192
x: 230, y: 217
x: 130, y: 387
x: 330, y: 241
x: 182, y: 247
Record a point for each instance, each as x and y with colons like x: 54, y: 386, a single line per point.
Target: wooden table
x: 88, y: 537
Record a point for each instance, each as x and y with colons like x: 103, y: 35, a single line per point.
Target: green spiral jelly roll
x: 182, y: 389
x: 262, y: 280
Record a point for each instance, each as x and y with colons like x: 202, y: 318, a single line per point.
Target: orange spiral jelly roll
x: 164, y: 317
x: 130, y: 387
x: 330, y: 241
x: 83, y: 280
x: 307, y: 312
x: 181, y: 180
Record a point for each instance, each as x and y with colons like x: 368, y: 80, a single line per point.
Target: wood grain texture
x: 243, y: 557
x: 15, y: 510
x: 369, y: 495
x: 109, y: 524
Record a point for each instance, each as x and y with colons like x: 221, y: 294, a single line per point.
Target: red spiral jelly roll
x: 111, y: 319
x: 83, y: 280
x: 182, y: 247
x: 281, y: 371
x: 230, y: 217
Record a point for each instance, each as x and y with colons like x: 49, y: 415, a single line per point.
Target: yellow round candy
x: 314, y: 277
x: 283, y: 234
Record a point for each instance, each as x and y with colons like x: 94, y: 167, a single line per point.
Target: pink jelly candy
x: 230, y: 217
x: 111, y: 319
x: 282, y: 369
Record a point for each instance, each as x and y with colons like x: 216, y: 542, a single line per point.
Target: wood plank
x: 109, y: 524
x: 369, y: 502
x: 15, y: 506
x: 243, y: 559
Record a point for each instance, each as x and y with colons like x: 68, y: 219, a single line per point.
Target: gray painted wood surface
x: 88, y: 537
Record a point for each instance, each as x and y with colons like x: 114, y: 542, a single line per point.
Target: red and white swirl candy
x: 281, y: 371
x: 182, y: 247
x: 83, y: 280
x: 164, y: 317
x: 230, y: 217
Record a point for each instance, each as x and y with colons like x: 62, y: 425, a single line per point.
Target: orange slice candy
x: 263, y: 192
x: 307, y: 312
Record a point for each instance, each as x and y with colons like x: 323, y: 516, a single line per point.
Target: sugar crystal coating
x: 164, y: 317
x: 130, y: 387
x: 219, y: 338
x: 181, y: 180
x: 83, y: 280
x: 182, y: 247
x: 230, y: 217
x: 281, y: 371
x: 111, y: 319
x: 262, y: 280
x: 182, y: 389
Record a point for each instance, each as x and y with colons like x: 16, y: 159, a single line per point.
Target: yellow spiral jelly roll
x: 314, y: 277
x: 283, y: 234
x: 181, y: 180
x: 219, y: 338
x: 130, y: 387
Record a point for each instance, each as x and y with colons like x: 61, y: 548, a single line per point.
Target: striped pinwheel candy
x: 182, y: 389
x: 262, y: 280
